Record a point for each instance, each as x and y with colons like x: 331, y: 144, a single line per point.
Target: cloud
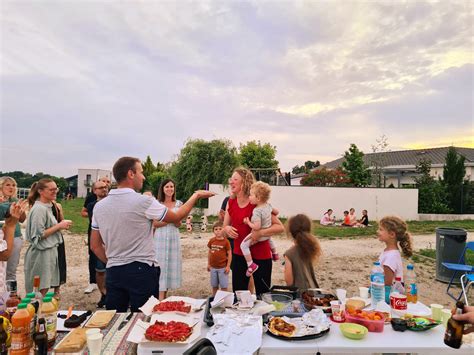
x: 85, y: 82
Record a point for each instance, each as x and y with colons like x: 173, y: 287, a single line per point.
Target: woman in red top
x: 238, y: 208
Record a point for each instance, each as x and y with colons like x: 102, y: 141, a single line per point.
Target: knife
x: 125, y: 321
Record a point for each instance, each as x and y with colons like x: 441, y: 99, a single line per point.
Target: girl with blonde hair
x: 393, y: 231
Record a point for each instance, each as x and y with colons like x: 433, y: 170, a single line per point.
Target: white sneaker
x: 91, y: 288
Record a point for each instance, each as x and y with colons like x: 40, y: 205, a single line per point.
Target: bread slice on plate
x: 100, y: 319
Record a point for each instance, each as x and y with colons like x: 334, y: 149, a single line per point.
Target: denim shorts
x: 219, y: 278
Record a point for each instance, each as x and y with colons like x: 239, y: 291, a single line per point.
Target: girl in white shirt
x: 393, y: 232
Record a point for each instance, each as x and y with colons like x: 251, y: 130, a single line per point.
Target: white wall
x: 314, y: 201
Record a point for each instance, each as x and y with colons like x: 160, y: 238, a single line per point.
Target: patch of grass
x: 72, y: 210
x: 429, y: 227
x: 431, y: 253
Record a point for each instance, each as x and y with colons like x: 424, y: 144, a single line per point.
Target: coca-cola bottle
x: 398, y: 299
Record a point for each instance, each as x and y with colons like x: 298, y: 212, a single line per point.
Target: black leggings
x: 262, y: 277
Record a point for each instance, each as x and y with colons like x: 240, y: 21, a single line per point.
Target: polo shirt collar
x: 121, y: 191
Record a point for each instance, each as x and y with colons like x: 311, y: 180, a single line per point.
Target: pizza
x: 172, y: 306
x: 170, y: 332
x: 280, y: 327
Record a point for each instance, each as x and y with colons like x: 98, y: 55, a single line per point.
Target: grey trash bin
x: 450, y: 242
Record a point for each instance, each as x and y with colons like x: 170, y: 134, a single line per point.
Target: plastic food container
x: 353, y: 331
x: 280, y: 301
x: 372, y: 325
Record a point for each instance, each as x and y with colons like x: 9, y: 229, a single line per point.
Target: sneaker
x: 91, y: 288
x: 275, y: 256
x: 251, y: 269
x: 101, y: 303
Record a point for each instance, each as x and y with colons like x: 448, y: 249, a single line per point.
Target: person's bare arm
x: 158, y: 224
x: 389, y: 275
x: 64, y: 224
x: 275, y: 228
x: 97, y: 245
x: 16, y: 211
x: 183, y: 211
x: 288, y: 273
x: 229, y: 260
x: 275, y: 212
x: 230, y: 231
x: 84, y: 212
x: 257, y: 225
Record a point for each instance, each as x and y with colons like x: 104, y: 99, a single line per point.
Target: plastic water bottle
x: 410, y: 281
x: 377, y: 284
x: 398, y: 299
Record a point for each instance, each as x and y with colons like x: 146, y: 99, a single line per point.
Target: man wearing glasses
x: 101, y: 190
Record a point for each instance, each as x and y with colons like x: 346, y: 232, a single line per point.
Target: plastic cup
x: 436, y: 311
x: 445, y: 315
x: 364, y: 292
x: 94, y: 343
x: 92, y: 331
x: 341, y: 294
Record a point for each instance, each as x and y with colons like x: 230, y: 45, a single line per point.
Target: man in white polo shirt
x: 122, y: 236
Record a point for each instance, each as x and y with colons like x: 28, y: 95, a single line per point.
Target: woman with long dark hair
x: 167, y: 241
x: 43, y: 232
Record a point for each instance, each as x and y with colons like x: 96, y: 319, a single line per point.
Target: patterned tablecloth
x: 115, y: 341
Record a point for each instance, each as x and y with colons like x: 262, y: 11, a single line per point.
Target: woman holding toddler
x: 238, y: 209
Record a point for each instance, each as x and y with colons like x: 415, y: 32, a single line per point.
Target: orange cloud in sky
x: 464, y: 141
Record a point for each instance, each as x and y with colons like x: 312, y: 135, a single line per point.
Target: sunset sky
x: 85, y: 82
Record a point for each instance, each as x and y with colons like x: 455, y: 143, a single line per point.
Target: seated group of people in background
x: 350, y: 219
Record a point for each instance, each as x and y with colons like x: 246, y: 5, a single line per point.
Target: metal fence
x: 23, y: 192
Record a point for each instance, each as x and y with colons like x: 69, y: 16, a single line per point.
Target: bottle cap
x: 26, y: 300
x: 49, y: 294
x: 410, y: 267
x: 47, y: 299
x: 30, y: 295
x: 398, y: 278
x: 22, y: 305
x: 377, y: 263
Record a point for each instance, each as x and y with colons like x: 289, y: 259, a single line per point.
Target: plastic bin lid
x: 451, y: 231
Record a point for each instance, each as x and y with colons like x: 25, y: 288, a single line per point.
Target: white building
x: 399, y: 167
x: 86, y: 177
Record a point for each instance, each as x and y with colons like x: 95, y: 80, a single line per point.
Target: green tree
x: 150, y: 171
x: 432, y: 197
x: 310, y: 165
x: 453, y: 179
x: 355, y: 168
x: 258, y: 157
x: 203, y: 161
x: 255, y: 155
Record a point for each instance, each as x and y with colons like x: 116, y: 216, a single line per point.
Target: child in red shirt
x: 219, y: 259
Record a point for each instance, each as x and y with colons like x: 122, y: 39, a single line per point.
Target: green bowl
x: 353, y: 330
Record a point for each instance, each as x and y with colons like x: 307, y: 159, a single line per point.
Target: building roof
x: 408, y: 157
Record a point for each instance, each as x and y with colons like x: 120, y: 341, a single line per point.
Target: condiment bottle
x: 36, y: 289
x: 48, y: 311
x: 41, y: 338
x: 54, y: 299
x: 12, y: 301
x: 32, y: 311
x: 21, y: 331
x: 3, y: 338
x: 454, y: 328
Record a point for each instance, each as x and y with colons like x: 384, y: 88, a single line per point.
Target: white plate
x: 60, y: 322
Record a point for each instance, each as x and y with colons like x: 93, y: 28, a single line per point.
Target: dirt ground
x: 345, y: 264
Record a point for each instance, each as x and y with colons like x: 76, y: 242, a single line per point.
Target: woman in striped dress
x: 167, y: 242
